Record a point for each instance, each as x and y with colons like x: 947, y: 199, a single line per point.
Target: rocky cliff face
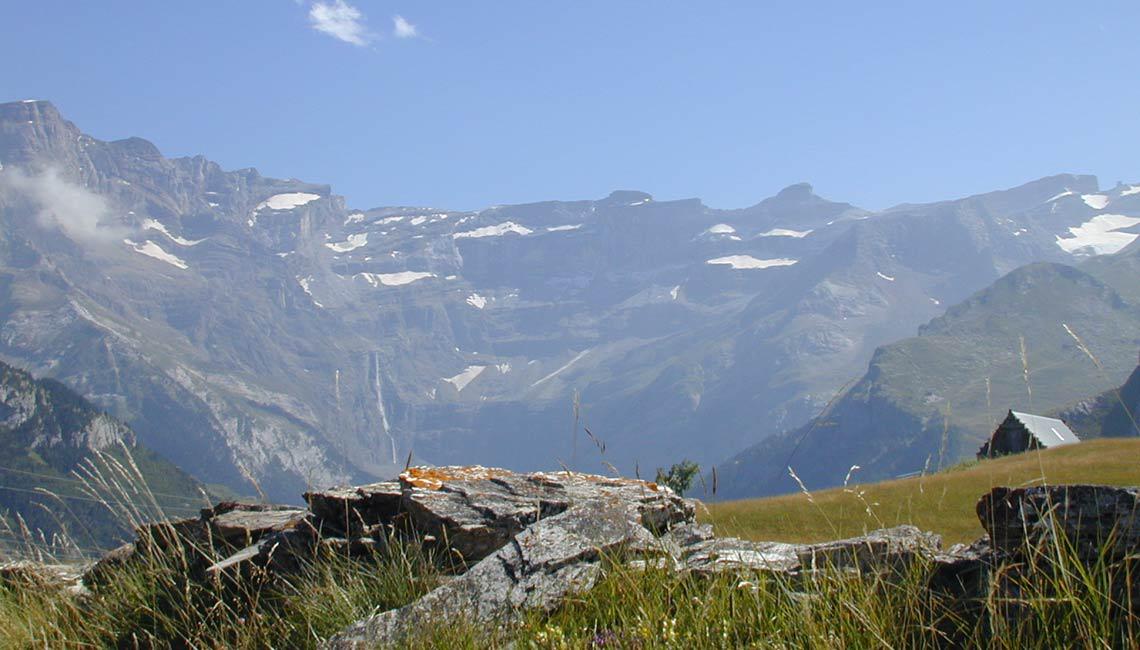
x: 49, y: 436
x: 45, y: 415
x: 255, y: 327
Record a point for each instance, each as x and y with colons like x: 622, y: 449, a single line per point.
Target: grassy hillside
x: 942, y: 502
x: 930, y: 400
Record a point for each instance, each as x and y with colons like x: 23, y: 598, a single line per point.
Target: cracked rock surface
x: 528, y: 541
x: 537, y: 569
x: 1093, y: 518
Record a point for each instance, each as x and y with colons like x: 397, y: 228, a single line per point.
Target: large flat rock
x: 474, y: 511
x: 885, y: 549
x: 1095, y: 519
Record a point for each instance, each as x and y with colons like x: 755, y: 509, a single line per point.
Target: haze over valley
x: 255, y: 328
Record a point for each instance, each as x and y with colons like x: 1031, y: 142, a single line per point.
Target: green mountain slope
x: 49, y: 437
x: 929, y: 401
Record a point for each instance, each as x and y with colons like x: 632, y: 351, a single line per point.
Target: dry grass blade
x: 1115, y: 391
x: 1025, y: 369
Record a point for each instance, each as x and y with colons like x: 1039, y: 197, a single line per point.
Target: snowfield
x: 494, y: 231
x: 749, y: 262
x: 578, y: 357
x: 1095, y: 201
x: 1098, y: 236
x: 785, y: 232
x: 468, y: 375
x: 352, y: 243
x: 151, y: 249
x: 287, y: 201
x: 151, y: 224
x: 394, y: 279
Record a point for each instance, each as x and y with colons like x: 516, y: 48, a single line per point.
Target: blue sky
x: 464, y: 105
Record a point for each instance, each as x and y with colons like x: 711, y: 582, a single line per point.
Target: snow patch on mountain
x: 468, y: 375
x: 578, y: 357
x: 1131, y: 189
x: 749, y: 262
x: 352, y: 243
x: 151, y: 224
x: 721, y: 231
x: 888, y: 278
x: 394, y: 279
x: 476, y: 301
x: 1098, y: 236
x: 151, y: 249
x: 287, y: 201
x: 1060, y: 196
x: 307, y: 286
x: 786, y: 232
x: 494, y: 231
x: 1095, y: 201
x: 563, y: 228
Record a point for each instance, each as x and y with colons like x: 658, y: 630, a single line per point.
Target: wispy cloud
x: 340, y: 20
x: 82, y: 215
x: 402, y: 28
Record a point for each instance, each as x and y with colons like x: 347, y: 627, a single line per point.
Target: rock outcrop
x: 536, y: 569
x: 1096, y: 520
x: 520, y: 542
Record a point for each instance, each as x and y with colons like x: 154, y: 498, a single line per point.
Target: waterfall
x: 380, y: 404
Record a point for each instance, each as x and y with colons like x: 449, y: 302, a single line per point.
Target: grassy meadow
x: 152, y: 604
x: 942, y: 502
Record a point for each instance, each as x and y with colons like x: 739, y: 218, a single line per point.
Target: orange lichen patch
x: 433, y: 478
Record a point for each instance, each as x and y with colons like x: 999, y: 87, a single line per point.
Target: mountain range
x: 1036, y: 340
x: 260, y: 330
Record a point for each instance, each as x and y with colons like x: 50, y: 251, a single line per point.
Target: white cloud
x: 402, y: 28
x: 82, y: 215
x: 340, y: 20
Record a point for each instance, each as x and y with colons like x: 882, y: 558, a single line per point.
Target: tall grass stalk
x: 1053, y: 595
